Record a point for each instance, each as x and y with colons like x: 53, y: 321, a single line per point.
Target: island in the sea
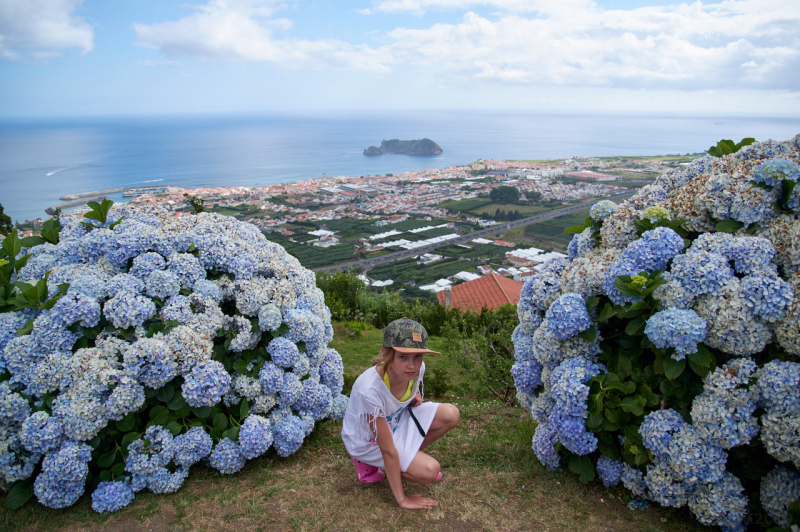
x: 405, y: 147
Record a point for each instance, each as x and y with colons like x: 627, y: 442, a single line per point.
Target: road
x: 495, y: 229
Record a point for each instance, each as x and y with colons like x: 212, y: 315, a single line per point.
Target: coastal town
x: 439, y: 216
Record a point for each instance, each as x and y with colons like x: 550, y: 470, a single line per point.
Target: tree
x: 197, y: 204
x: 5, y: 223
x: 504, y: 194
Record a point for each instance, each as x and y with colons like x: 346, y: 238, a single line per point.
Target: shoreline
x: 75, y: 200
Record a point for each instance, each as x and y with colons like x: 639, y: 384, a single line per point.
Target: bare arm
x: 391, y: 461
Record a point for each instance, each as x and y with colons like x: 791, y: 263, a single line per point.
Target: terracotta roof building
x: 489, y: 291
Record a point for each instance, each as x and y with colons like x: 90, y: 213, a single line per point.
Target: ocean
x: 41, y: 160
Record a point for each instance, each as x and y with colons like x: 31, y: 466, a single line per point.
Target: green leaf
x: 12, y: 244
x: 128, y: 438
x: 159, y: 415
x: 703, y: 357
x: 244, y: 409
x: 240, y: 366
x: 589, y: 334
x: 174, y: 427
x: 673, y: 368
x: 202, y: 412
x: 582, y: 465
x: 177, y: 402
x: 636, y: 325
x: 606, y: 313
x: 611, y: 415
x: 633, y: 405
x: 118, y: 469
x: 701, y: 371
x: 608, y: 449
x: 220, y: 421
x: 27, y: 328
x: 30, y: 241
x: 107, y: 460
x: 794, y: 513
x: 728, y: 226
x: 232, y: 434
x: 19, y: 493
x: 594, y: 421
x: 165, y: 393
x: 622, y: 285
x: 575, y: 229
x: 592, y: 302
x: 50, y: 230
x: 126, y: 424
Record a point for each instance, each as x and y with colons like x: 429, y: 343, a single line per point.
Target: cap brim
x: 411, y: 350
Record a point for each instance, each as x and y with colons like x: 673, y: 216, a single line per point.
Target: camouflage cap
x: 406, y: 336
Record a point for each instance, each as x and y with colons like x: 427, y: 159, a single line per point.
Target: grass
x: 492, y: 481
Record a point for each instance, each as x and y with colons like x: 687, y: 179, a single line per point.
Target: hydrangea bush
x: 134, y: 345
x: 664, y: 353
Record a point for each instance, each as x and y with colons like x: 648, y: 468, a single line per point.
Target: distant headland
x: 405, y: 147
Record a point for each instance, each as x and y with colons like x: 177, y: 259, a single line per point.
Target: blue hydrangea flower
x: 633, y: 480
x: 619, y: 267
x: 41, y: 433
x: 271, y: 378
x: 750, y: 254
x: 657, y: 429
x: 724, y: 423
x: 676, y: 328
x: 150, y: 361
x: 206, y: 384
x: 284, y: 352
x: 580, y: 245
x: 602, y: 210
x: 127, y: 309
x: 776, y: 170
x: 124, y: 282
x: 779, y: 489
x: 568, y: 316
x: 768, y: 295
x: 609, y: 471
x: 269, y: 318
x: 227, y: 457
x: 165, y: 481
x: 778, y: 382
x: 177, y: 308
x: 527, y: 375
x: 568, y: 386
x: 331, y: 372
x: 720, y: 503
x: 291, y: 389
x: 702, y: 272
x: 543, y: 288
x: 544, y: 440
x: 207, y: 288
x: 338, y: 407
x: 693, y: 459
x: 654, y: 249
x: 162, y: 284
x: 146, y: 263
x: 77, y: 307
x: 255, y: 436
x: 186, y: 268
x: 664, y: 488
x: 288, y: 435
x: 111, y: 496
x: 60, y: 484
x: 127, y: 396
x: 315, y: 400
x: 191, y: 447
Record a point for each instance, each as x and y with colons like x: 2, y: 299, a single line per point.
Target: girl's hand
x: 417, y: 502
x: 416, y: 401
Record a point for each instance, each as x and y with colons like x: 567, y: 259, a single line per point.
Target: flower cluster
x: 167, y: 323
x: 718, y: 286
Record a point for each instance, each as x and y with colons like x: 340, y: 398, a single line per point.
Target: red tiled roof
x: 489, y: 291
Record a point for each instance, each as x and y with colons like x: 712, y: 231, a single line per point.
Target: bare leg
x: 446, y: 418
x: 423, y: 469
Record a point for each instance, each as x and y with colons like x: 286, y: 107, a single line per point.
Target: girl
x: 386, y: 423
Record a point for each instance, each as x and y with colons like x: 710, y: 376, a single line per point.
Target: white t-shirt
x: 371, y: 399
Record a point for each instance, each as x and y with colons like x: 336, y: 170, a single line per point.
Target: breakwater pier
x: 74, y: 200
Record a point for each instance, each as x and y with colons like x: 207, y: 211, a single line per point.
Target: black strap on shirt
x: 416, y: 422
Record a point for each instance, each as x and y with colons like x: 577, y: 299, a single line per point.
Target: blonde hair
x: 386, y: 357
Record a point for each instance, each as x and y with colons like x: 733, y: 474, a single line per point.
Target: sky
x: 100, y: 57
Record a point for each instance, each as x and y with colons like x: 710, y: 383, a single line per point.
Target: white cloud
x: 686, y: 47
x: 544, y: 7
x: 40, y: 29
x: 242, y: 30
x: 150, y: 63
